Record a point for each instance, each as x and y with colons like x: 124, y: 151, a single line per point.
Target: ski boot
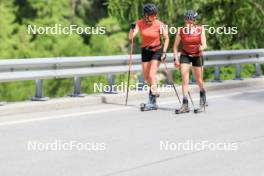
x: 203, y: 102
x: 152, y: 103
x: 185, y: 107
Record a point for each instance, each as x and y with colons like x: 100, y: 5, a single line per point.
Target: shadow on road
x: 137, y: 106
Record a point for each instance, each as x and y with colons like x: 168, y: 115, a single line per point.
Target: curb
x: 210, y: 86
x: 97, y: 99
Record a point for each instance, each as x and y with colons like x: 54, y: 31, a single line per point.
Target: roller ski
x: 151, y: 105
x: 184, y: 108
x: 148, y: 107
x: 203, y: 103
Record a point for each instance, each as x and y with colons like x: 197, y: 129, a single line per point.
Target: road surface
x: 122, y: 141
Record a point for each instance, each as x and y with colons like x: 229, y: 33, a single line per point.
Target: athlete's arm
x: 166, y: 39
x: 175, y: 50
x: 203, y: 41
x: 133, y: 32
x: 176, y: 45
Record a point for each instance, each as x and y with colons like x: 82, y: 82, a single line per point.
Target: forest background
x: 116, y: 16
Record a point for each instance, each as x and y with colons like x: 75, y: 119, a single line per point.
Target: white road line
x: 62, y: 116
x: 107, y: 110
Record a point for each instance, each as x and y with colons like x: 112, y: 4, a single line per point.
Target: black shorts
x: 196, y: 61
x: 149, y: 55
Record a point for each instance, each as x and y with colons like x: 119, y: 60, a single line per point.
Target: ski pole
x: 191, y: 99
x: 130, y: 62
x: 171, y: 81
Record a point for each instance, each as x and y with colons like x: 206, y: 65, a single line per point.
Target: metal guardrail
x: 39, y: 69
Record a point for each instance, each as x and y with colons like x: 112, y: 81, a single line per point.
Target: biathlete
x: 152, y: 52
x: 193, y: 40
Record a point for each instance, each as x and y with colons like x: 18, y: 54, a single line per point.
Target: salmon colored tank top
x: 150, y: 33
x: 191, y: 40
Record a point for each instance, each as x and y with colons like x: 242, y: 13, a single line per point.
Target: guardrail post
x: 77, y: 88
x: 141, y: 82
x: 111, y: 82
x: 238, y: 72
x: 258, y: 71
x: 39, y: 91
x: 217, y: 74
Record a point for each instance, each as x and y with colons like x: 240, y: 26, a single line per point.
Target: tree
x: 114, y: 42
x: 246, y: 15
x: 7, y: 30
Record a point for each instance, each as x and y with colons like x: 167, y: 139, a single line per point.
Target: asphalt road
x: 123, y: 141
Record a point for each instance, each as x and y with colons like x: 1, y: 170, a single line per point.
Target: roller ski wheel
x: 182, y: 110
x: 179, y: 111
x: 200, y: 109
x: 197, y: 110
x: 148, y: 107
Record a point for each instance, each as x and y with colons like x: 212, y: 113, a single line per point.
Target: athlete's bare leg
x: 146, y: 70
x: 152, y: 75
x: 199, y: 77
x: 185, y: 68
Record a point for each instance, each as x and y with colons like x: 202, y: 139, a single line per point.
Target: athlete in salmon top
x: 193, y: 40
x: 152, y: 52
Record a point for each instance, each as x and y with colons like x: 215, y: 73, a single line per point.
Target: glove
x: 163, y: 57
x: 133, y: 25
